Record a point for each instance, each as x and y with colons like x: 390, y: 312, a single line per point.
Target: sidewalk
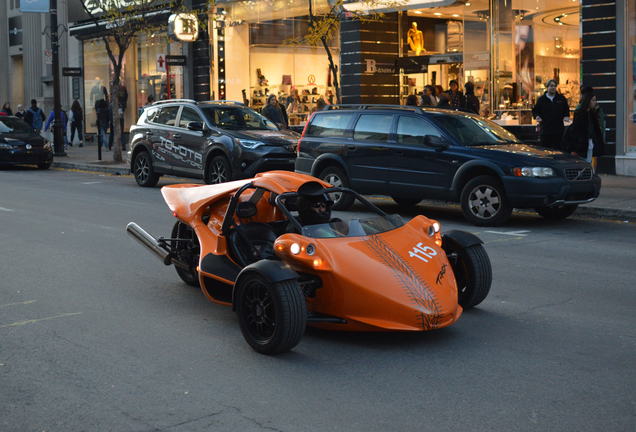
x: 617, y: 199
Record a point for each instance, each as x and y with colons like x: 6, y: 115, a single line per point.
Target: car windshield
x: 471, y: 130
x: 14, y: 125
x: 354, y: 227
x: 237, y: 118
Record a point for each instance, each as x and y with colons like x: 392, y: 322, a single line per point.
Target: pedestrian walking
x: 444, y: 101
x: 428, y: 97
x: 50, y: 124
x: 457, y: 99
x: 584, y: 137
x: 320, y: 105
x: 550, y: 111
x: 20, y: 112
x: 77, y: 120
x: 472, y: 103
x: 35, y: 117
x: 273, y: 111
x: 6, y: 108
x: 411, y: 100
x: 102, y: 111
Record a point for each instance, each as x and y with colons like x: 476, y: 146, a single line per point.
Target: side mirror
x: 438, y: 143
x: 195, y: 126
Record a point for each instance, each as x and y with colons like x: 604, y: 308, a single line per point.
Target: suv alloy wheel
x: 484, y: 201
x: 218, y: 170
x: 337, y: 178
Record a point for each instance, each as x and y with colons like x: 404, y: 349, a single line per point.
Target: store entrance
x: 438, y: 73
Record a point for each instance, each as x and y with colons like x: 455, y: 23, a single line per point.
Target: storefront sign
x: 161, y: 63
x: 72, y: 71
x: 184, y: 27
x: 176, y: 60
x: 375, y: 67
x: 40, y: 6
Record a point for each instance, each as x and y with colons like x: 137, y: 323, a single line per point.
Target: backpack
x: 37, y: 118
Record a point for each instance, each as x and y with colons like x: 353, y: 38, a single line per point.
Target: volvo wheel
x: 484, y: 201
x: 337, y: 178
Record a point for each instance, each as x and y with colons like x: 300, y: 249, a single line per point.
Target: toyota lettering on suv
x: 216, y: 141
x: 413, y: 154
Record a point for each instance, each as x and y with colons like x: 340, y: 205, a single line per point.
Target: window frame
x: 440, y: 133
x: 348, y: 130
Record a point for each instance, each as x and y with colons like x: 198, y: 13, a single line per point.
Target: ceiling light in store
x: 418, y: 12
x: 467, y: 3
x: 437, y: 14
x: 455, y: 15
x: 364, y: 6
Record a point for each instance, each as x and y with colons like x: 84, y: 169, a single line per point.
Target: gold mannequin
x: 415, y: 39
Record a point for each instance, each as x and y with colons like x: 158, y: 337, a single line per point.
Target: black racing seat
x: 252, y: 241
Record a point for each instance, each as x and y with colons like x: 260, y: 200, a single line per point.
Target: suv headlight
x: 249, y: 144
x: 533, y: 172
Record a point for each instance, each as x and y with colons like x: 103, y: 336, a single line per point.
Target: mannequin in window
x: 415, y: 39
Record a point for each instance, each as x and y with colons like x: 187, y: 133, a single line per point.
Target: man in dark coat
x: 550, y: 111
x: 272, y: 111
x: 457, y: 99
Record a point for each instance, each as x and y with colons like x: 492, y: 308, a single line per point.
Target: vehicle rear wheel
x: 45, y: 165
x: 337, y: 178
x: 557, y: 213
x: 484, y: 201
x: 186, y: 251
x: 406, y: 202
x: 473, y: 273
x: 272, y: 316
x: 218, y: 170
x: 143, y: 170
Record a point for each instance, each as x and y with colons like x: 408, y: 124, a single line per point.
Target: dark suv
x: 412, y: 154
x: 216, y: 141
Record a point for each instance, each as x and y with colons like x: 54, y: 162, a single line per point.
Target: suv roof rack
x: 172, y: 101
x: 371, y: 106
x: 223, y: 101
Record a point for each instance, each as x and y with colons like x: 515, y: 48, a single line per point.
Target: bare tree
x: 324, y: 26
x: 124, y: 20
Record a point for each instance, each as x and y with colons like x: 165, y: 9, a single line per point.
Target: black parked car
x: 20, y: 145
x: 216, y: 141
x: 412, y: 154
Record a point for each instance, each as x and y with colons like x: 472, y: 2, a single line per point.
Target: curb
x: 606, y: 212
x: 88, y: 167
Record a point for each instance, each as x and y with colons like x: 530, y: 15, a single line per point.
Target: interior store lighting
x: 390, y: 5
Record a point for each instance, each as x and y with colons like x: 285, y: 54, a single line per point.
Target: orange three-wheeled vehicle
x: 246, y: 245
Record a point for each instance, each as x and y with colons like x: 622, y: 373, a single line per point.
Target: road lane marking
x: 33, y: 321
x: 6, y: 209
x: 18, y: 303
x: 510, y: 233
x: 90, y: 183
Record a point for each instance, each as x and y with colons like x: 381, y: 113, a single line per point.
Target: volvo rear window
x: 330, y: 125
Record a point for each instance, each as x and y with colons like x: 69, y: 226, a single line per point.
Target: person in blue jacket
x: 51, y: 121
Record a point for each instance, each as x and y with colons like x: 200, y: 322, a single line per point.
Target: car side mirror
x: 195, y: 126
x: 438, y: 143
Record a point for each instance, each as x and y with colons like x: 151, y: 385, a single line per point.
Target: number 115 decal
x: 424, y: 253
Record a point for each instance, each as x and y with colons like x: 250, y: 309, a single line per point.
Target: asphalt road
x: 97, y: 335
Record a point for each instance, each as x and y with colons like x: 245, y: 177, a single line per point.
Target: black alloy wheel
x: 484, y: 202
x: 473, y: 273
x: 143, y: 170
x: 557, y: 213
x: 218, y: 170
x: 337, y: 178
x: 272, y: 316
x: 186, y: 250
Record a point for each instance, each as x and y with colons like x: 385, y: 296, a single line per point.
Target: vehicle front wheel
x: 484, y: 201
x: 337, y: 178
x: 143, y: 170
x: 272, y: 316
x: 557, y: 213
x: 473, y: 273
x: 218, y: 170
x: 186, y: 250
x: 45, y: 165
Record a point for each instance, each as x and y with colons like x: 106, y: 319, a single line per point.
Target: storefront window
x: 96, y: 78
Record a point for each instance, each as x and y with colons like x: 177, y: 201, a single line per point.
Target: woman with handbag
x: 584, y: 136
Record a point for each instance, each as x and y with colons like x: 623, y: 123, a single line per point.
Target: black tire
x: 406, y: 202
x: 45, y: 165
x: 272, y: 316
x: 143, y: 170
x: 484, y: 202
x: 473, y: 273
x: 217, y: 170
x: 557, y: 213
x: 187, y: 252
x: 337, y: 178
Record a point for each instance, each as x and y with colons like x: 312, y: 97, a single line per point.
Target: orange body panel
x: 397, y: 280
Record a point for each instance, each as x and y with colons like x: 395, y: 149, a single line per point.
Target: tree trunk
x: 117, y: 155
x: 332, y: 67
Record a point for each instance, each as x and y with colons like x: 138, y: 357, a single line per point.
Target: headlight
x: 250, y: 144
x: 294, y: 248
x: 433, y: 229
x: 533, y: 172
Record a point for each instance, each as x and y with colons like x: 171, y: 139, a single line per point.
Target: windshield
x: 471, y: 130
x: 237, y: 118
x: 14, y: 125
x: 354, y: 227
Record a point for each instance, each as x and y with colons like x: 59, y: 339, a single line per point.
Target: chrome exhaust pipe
x: 148, y: 241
